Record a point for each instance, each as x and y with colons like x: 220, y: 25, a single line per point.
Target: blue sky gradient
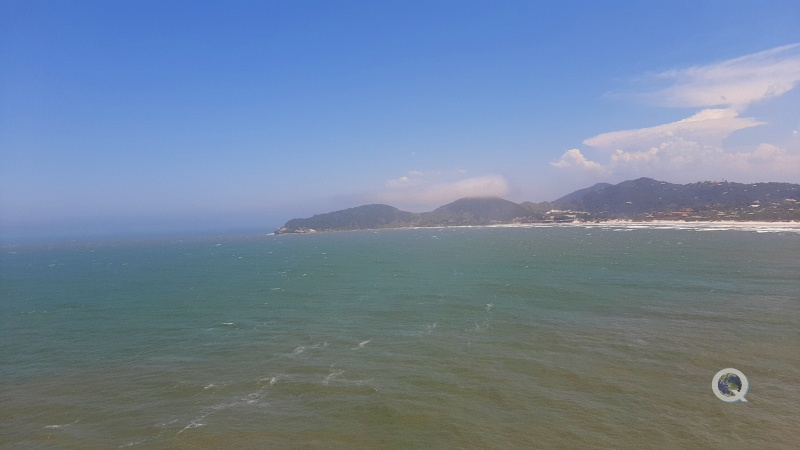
x: 191, y: 116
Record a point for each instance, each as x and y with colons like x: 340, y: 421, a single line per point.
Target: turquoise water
x: 440, y: 338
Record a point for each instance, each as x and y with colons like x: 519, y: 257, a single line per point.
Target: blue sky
x: 155, y: 116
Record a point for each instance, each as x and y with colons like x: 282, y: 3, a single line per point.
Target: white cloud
x: 688, y: 161
x: 427, y: 193
x: 707, y: 125
x: 735, y: 83
x: 398, y: 182
x: 642, y: 157
x: 575, y: 159
x: 695, y: 148
x: 414, y: 178
x: 766, y: 159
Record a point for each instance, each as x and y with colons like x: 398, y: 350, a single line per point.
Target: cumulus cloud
x: 429, y: 191
x: 687, y: 161
x: 766, y: 158
x: 695, y: 147
x: 575, y: 159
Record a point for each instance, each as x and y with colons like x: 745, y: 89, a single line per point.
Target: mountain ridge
x: 639, y: 199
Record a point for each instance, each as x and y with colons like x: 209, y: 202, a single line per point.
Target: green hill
x: 645, y: 195
x: 475, y: 211
x: 361, y: 217
x: 634, y: 199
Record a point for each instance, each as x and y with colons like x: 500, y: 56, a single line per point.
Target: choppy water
x: 447, y: 338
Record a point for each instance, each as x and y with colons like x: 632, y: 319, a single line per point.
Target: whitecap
x: 192, y: 424
x: 58, y: 426
x: 362, y: 344
x: 332, y: 375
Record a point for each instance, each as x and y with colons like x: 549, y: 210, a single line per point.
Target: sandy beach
x: 761, y: 227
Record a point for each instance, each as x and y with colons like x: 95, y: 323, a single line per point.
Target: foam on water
x: 361, y: 344
x: 757, y: 227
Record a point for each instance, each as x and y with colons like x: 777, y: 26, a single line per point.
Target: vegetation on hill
x: 642, y: 199
x: 475, y: 211
x: 361, y: 217
x: 647, y: 196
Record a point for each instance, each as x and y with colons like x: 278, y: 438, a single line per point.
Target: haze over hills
x: 640, y: 199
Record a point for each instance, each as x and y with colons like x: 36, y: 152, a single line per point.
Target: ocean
x: 475, y: 338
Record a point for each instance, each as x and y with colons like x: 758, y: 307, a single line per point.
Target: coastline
x: 704, y: 223
x: 761, y: 227
x: 764, y: 227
